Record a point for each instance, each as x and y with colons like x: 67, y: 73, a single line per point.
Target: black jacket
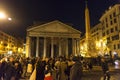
x: 104, y: 66
x: 76, y: 71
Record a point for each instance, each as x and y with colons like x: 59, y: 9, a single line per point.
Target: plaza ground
x: 96, y: 73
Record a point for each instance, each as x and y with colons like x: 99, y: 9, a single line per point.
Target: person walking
x: 18, y: 70
x: 105, y: 69
x: 76, y: 70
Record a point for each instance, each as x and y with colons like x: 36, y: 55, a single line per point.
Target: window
x: 114, y: 15
x: 97, y: 33
x: 114, y: 46
x: 118, y: 46
x: 111, y: 23
x: 108, y: 39
x: 103, y: 28
x: 115, y: 20
x: 111, y: 30
x: 104, y: 34
x: 5, y: 44
x: 106, y: 20
x: 107, y: 32
x: 116, y: 29
x: 116, y: 37
x: 106, y: 25
x: 110, y: 16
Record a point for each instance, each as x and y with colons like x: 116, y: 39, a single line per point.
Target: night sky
x: 24, y: 12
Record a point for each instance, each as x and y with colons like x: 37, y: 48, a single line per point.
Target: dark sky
x: 24, y: 12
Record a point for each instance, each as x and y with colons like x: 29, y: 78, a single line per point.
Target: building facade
x: 52, y: 39
x: 99, y: 40
x: 110, y: 21
x: 9, y: 44
x: 106, y: 34
x: 87, y: 45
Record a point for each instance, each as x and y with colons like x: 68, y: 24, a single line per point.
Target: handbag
x: 48, y: 76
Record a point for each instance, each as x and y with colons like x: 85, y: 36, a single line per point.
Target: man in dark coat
x: 105, y: 69
x: 40, y: 68
x: 76, y: 70
x: 3, y: 65
x: 10, y: 70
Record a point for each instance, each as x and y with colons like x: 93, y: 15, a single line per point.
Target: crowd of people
x: 60, y: 68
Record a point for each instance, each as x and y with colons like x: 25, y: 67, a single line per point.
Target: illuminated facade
x: 9, y: 44
x: 87, y: 45
x: 52, y: 39
x: 87, y: 34
x: 106, y: 34
x: 110, y: 21
x: 100, y: 41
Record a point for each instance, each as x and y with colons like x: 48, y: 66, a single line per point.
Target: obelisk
x: 87, y: 26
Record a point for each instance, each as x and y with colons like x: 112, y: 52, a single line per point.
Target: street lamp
x: 4, y: 16
x: 9, y: 19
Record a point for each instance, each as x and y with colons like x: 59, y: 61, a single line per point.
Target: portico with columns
x: 52, y: 39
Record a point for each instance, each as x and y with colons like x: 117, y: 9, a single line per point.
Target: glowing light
x: 117, y: 62
x: 1, y: 42
x: 82, y: 48
x: 10, y: 52
x: 114, y: 53
x: 2, y: 15
x: 10, y: 19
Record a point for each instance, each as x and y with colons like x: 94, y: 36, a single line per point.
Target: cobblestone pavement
x: 114, y: 77
x: 96, y: 74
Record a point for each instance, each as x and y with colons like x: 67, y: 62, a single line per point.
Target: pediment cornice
x: 54, y: 27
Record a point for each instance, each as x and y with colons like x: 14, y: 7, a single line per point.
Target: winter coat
x: 76, y: 71
x: 40, y: 68
x: 104, y: 67
x: 63, y: 67
x: 10, y: 71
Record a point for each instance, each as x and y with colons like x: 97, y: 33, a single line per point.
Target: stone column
x: 77, y: 46
x: 66, y: 47
x: 28, y: 46
x: 60, y: 47
x: 52, y: 48
x: 44, y: 50
x: 73, y: 48
x: 37, y: 47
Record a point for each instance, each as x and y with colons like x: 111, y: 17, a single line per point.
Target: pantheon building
x: 52, y: 39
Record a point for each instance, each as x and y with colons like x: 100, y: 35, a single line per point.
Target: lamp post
x: 2, y: 15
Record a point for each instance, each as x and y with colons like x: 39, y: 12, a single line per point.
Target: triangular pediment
x: 54, y: 27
